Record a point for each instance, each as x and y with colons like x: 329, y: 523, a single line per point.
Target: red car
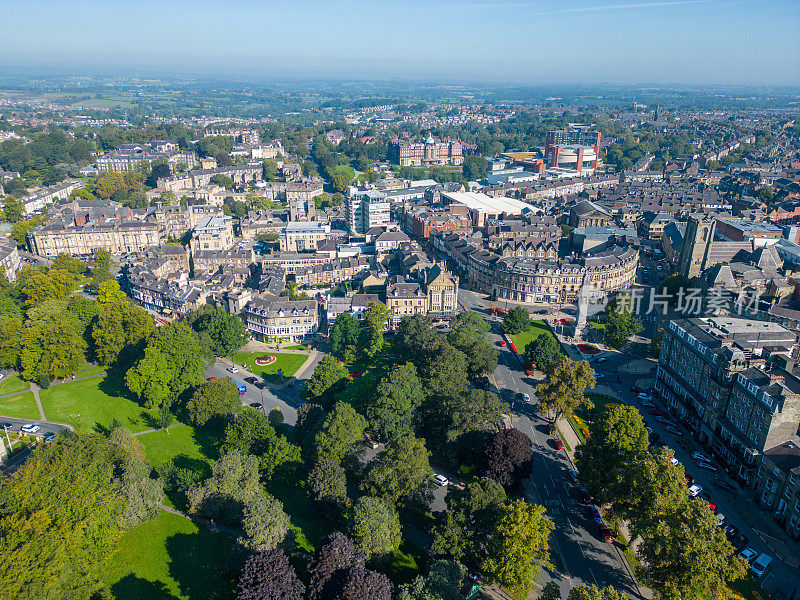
x: 210, y: 378
x: 607, y: 535
x: 559, y: 444
x: 502, y: 343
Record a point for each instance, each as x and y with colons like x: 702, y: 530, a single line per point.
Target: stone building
x: 281, y: 320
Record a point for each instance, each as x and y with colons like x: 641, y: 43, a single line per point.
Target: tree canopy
x: 562, y: 391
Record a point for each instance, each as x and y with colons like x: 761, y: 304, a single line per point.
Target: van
x: 761, y: 564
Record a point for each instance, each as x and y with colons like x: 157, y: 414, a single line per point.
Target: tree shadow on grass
x: 197, y: 562
x: 132, y: 587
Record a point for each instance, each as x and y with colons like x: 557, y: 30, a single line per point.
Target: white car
x: 441, y: 480
x: 761, y: 564
x: 675, y: 462
x: 525, y: 397
x: 233, y: 370
x: 695, y: 490
x: 30, y: 428
x: 748, y: 554
x: 2, y: 377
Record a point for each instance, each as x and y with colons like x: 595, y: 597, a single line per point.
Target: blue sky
x: 553, y: 41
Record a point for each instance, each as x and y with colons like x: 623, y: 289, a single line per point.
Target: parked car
x: 260, y: 384
x: 441, y: 480
x: 502, y: 343
x: 786, y: 592
x: 240, y: 386
x: 524, y: 397
x: 606, y: 534
x: 257, y: 405
x: 574, y: 474
x: 2, y: 376
x: 210, y: 378
x: 673, y: 430
x: 6, y: 425
x: 251, y: 380
x: 30, y: 428
x: 695, y: 490
x: 761, y: 564
x: 49, y: 437
x: 594, y: 514
x: 700, y: 456
x: 748, y: 554
x: 232, y: 369
x: 559, y: 444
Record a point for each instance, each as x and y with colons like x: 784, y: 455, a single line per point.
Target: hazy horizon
x: 622, y: 42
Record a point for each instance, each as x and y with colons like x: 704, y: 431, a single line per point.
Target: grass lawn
x: 170, y: 558
x: 90, y: 370
x: 406, y: 564
x: 165, y: 444
x: 12, y: 384
x: 21, y: 406
x: 92, y: 404
x: 538, y: 327
x: 289, y: 363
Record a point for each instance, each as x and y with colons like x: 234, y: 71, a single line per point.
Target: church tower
x: 696, y: 242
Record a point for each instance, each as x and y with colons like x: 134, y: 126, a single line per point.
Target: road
x: 13, y: 426
x: 576, y: 550
x: 288, y: 399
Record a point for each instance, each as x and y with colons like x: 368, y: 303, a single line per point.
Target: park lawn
x: 288, y: 363
x: 538, y: 327
x: 92, y: 404
x: 171, y: 558
x: 407, y: 562
x: 21, y: 406
x: 13, y: 384
x: 89, y: 371
x: 165, y: 444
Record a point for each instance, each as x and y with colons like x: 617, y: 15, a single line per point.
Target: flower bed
x: 567, y: 322
x: 267, y: 359
x: 588, y: 349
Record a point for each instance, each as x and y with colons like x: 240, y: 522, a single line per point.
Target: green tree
x: 211, y: 399
x: 51, y: 349
x: 109, y: 292
x: 150, y: 378
x: 399, y: 396
x: 173, y: 362
x: 233, y: 485
x: 13, y: 209
x: 472, y: 513
x: 468, y: 334
x: 544, y: 351
x: 222, y: 180
x: 621, y: 324
x: 372, y: 323
x: 330, y: 376
x: 551, y: 591
x: 265, y: 524
x: 59, y: 520
x: 655, y: 344
x: 279, y: 454
x: 592, y: 592
x: 375, y: 527
x: 517, y: 320
x: 327, y: 483
x: 686, y: 555
x: 475, y: 167
x: 443, y: 582
x: 142, y: 494
x: 518, y: 547
x: 119, y: 325
x: 11, y: 335
x: 269, y: 169
x: 400, y: 470
x: 562, y: 391
x: 226, y: 331
x: 68, y: 263
x: 344, y: 332
x: 341, y: 429
x: 248, y: 432
x: 618, y: 438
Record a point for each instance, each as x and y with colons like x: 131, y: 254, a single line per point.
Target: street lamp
x: 5, y: 429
